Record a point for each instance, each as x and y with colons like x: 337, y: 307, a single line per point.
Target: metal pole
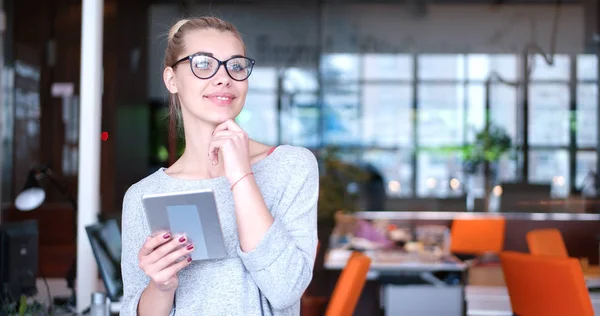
x: 2, y: 106
x: 89, y: 145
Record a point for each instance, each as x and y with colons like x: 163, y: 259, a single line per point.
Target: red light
x: 104, y: 136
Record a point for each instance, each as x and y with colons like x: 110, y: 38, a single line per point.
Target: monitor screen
x: 105, y: 240
x: 18, y: 259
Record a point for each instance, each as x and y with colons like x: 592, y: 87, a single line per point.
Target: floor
x: 482, y: 300
x: 494, y: 301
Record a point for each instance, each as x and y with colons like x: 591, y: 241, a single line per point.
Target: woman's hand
x: 230, y: 144
x: 161, y: 257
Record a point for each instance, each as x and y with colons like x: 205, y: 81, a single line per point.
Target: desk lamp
x: 33, y: 195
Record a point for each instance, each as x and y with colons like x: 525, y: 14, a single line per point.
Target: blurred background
x: 420, y: 106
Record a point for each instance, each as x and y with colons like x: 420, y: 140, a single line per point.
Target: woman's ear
x: 169, y: 80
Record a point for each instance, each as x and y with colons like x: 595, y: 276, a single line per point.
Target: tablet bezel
x: 155, y: 207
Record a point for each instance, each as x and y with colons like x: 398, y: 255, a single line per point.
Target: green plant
x: 336, y: 177
x: 23, y: 307
x: 490, y: 144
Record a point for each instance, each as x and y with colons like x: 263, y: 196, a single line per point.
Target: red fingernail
x: 189, y: 259
x: 182, y: 239
x: 166, y: 236
x: 190, y: 247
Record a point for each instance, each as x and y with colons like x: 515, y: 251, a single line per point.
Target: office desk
x: 411, y: 282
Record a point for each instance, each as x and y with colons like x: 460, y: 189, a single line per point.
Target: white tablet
x: 191, y: 213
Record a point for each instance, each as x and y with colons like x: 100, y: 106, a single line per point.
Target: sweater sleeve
x: 282, y: 262
x: 134, y: 232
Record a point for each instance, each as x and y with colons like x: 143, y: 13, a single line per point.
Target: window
x: 435, y: 172
x: 259, y: 116
x: 388, y: 67
x: 550, y: 167
x: 395, y: 167
x: 386, y: 115
x: 441, y: 67
x: 440, y: 114
x: 549, y: 114
x: 587, y: 117
x: 585, y: 169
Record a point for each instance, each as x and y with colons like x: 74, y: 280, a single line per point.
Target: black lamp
x: 33, y: 195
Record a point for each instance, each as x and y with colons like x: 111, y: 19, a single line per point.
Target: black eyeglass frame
x: 219, y: 63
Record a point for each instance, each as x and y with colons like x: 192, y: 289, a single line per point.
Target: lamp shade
x: 30, y: 199
x: 32, y: 195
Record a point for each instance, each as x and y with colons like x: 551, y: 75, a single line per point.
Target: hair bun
x: 176, y: 28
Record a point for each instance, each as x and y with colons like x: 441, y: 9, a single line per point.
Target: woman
x: 266, y: 196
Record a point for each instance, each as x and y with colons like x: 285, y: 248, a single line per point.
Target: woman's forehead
x: 221, y: 45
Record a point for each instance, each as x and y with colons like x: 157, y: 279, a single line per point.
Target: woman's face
x: 212, y: 100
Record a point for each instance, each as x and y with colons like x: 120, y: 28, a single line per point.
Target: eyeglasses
x: 204, y: 66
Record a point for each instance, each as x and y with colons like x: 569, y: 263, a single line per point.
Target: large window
x: 410, y: 115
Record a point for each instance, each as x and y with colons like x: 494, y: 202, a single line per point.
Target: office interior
x: 465, y: 133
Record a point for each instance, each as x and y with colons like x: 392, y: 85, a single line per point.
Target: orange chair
x: 545, y: 286
x: 546, y: 242
x: 477, y: 236
x: 347, y: 290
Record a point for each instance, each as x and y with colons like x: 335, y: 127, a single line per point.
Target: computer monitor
x: 19, y: 243
x: 105, y: 240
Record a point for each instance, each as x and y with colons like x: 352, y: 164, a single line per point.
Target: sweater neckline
x: 255, y: 167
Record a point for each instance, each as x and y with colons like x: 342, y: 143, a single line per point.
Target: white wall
x: 279, y: 34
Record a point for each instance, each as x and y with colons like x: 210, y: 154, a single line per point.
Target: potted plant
x: 490, y: 144
x: 24, y: 307
x: 338, y: 185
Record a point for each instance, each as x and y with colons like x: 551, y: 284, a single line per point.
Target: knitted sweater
x: 268, y: 280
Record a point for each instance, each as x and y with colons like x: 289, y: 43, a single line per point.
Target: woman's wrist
x: 240, y: 178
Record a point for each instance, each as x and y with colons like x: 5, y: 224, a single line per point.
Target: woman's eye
x: 202, y: 64
x: 236, y: 67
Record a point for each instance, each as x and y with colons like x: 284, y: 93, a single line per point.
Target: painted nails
x: 166, y: 236
x: 190, y: 247
x: 182, y: 239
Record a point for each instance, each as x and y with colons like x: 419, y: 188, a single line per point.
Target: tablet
x: 191, y: 213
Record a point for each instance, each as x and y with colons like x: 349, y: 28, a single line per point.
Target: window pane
x: 558, y: 71
x: 587, y: 67
x: 441, y: 67
x: 395, y: 167
x: 435, y: 172
x: 587, y: 117
x: 586, y: 167
x: 503, y: 108
x: 550, y: 167
x: 508, y: 166
x: 259, y: 117
x: 388, y: 66
x: 341, y: 119
x: 440, y: 115
x: 476, y: 110
x: 300, y: 121
x: 481, y: 66
x: 337, y: 67
x: 300, y: 79
x: 549, y: 114
x: 263, y: 78
x: 387, y: 119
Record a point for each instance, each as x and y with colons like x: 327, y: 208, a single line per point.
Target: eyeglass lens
x: 238, y: 68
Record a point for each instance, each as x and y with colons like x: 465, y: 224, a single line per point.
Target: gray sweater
x: 269, y: 280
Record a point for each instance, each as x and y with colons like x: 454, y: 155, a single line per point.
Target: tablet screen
x: 185, y: 218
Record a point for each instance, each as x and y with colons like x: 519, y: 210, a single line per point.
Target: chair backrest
x: 549, y: 286
x: 349, y: 286
x: 477, y: 235
x: 546, y: 242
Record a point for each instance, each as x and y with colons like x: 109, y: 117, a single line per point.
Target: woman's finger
x: 228, y: 125
x: 154, y: 242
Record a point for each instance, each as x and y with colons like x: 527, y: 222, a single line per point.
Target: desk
x: 410, y: 282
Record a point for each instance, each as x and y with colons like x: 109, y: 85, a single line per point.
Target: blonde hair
x: 176, y: 46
